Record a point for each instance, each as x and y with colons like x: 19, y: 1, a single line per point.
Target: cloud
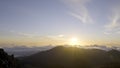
x: 83, y: 18
x: 118, y: 32
x: 107, y: 33
x: 79, y: 10
x: 37, y: 36
x: 26, y: 35
x: 61, y: 36
x: 22, y: 34
x: 37, y: 39
x: 114, y: 24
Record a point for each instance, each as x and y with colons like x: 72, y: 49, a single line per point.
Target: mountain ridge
x: 71, y: 57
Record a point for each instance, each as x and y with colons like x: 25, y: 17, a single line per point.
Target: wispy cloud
x: 114, y: 25
x: 23, y: 34
x: 85, y: 18
x: 59, y: 37
x: 37, y: 36
x: 26, y: 34
x: 79, y: 10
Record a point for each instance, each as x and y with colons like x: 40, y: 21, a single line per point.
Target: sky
x: 56, y: 22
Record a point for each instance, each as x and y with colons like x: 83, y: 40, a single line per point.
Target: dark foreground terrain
x: 7, y: 61
x: 70, y: 57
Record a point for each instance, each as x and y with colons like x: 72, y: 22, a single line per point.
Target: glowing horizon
x: 55, y: 22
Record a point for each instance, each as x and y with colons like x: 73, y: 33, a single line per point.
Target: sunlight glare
x: 74, y: 41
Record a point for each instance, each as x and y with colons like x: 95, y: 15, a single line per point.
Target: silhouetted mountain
x: 7, y: 61
x: 72, y: 57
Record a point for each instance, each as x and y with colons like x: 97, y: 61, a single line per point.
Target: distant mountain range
x: 19, y: 51
x: 72, y: 57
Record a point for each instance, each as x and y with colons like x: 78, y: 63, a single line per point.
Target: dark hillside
x: 72, y: 57
x: 7, y: 61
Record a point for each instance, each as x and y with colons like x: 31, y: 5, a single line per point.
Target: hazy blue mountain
x: 20, y: 51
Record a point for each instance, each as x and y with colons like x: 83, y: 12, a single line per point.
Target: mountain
x: 72, y: 57
x: 7, y: 61
x: 20, y: 51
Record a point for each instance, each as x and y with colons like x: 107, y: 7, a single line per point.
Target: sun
x: 74, y: 41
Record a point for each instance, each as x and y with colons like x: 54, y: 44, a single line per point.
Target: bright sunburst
x: 74, y: 41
